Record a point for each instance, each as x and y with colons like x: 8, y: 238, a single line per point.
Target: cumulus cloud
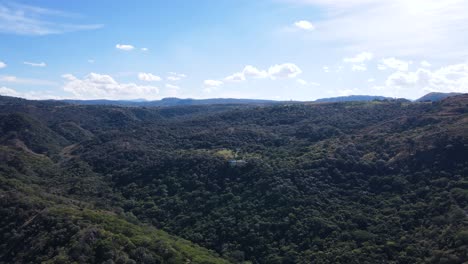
x: 285, y: 70
x: 148, y: 77
x: 2, y: 64
x: 304, y: 24
x: 174, y: 76
x: 252, y: 72
x: 236, y: 77
x: 452, y: 78
x: 393, y: 63
x: 125, y: 47
x: 100, y: 86
x: 278, y: 71
x: 35, y: 64
x: 249, y: 71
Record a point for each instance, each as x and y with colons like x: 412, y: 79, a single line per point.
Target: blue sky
x: 272, y: 49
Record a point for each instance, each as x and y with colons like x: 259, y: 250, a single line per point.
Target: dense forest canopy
x: 348, y: 182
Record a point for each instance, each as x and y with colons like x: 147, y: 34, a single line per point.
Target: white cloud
x: 2, y: 64
x: 236, y: 77
x: 99, y: 86
x: 326, y: 69
x: 174, y: 76
x: 452, y: 78
x: 35, y: 64
x: 360, y: 58
x: 249, y: 71
x: 32, y: 20
x: 9, y: 92
x: 304, y: 24
x: 33, y: 95
x: 359, y: 67
x: 371, y: 80
x: 144, y: 49
x: 425, y: 63
x: 25, y: 81
x: 90, y: 61
x: 252, y: 72
x: 393, y: 63
x: 148, y: 77
x: 212, y: 83
x: 285, y: 70
x: 422, y: 27
x: 125, y: 47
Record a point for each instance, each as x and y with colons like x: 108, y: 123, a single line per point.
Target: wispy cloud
x: 2, y: 64
x: 212, y: 83
x: 26, y: 81
x: 395, y: 28
x: 35, y: 64
x: 126, y: 47
x: 174, y: 76
x: 32, y: 20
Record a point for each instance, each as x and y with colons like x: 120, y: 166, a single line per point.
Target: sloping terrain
x: 351, y: 182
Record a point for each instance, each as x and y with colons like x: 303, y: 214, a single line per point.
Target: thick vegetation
x: 353, y: 182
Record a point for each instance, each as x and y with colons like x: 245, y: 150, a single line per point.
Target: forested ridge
x: 348, y: 182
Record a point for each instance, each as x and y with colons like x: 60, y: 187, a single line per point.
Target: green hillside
x: 349, y: 182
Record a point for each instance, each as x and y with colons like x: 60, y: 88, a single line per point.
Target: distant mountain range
x: 433, y: 97
x: 349, y: 98
x: 172, y: 101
